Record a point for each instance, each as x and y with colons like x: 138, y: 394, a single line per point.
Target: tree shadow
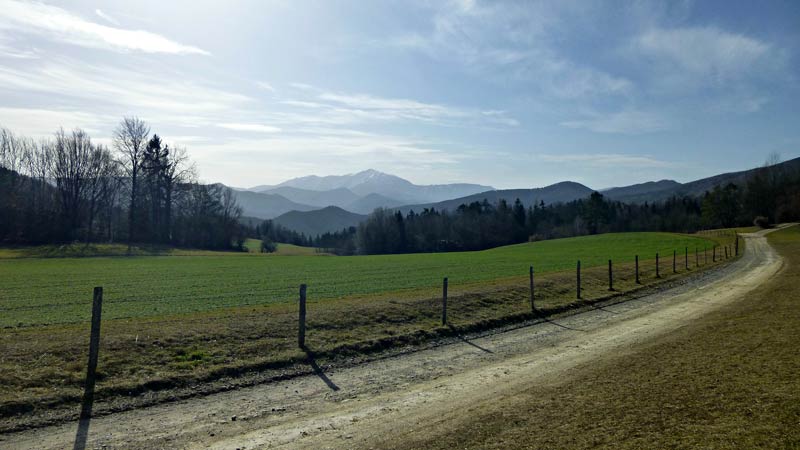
x: 318, y: 370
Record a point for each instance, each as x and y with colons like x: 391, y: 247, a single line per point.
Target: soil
x: 374, y: 404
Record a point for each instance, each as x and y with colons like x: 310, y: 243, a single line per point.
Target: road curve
x: 362, y: 406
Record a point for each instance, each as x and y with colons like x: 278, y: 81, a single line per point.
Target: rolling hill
x: 267, y: 206
x: 319, y: 221
x: 368, y: 203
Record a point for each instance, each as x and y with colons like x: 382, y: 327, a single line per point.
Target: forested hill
x: 563, y: 192
x: 320, y: 221
x: 662, y: 190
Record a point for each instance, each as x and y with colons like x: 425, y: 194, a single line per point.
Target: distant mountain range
x: 360, y: 193
x: 314, y: 205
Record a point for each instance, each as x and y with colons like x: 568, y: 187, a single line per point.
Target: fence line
x: 302, y: 308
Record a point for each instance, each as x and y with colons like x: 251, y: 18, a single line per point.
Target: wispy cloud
x: 265, y: 86
x: 59, y: 24
x: 249, y: 127
x: 622, y: 122
x: 8, y: 51
x: 606, y: 160
x: 505, y: 41
x: 708, y: 53
x: 129, y: 87
x: 29, y: 121
x: 314, y: 105
x: 106, y: 17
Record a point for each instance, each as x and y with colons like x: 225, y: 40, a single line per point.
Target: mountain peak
x: 392, y: 187
x: 371, y: 172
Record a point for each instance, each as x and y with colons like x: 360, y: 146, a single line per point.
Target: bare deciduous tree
x: 130, y: 141
x: 71, y: 159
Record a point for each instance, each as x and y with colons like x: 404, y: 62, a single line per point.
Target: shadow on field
x: 318, y: 370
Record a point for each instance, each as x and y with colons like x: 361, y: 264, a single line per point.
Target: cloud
x: 41, y: 122
x: 7, y: 51
x: 507, y: 41
x: 106, y: 17
x: 127, y: 87
x: 302, y: 86
x: 606, y: 160
x: 622, y: 122
x: 265, y: 86
x: 251, y: 127
x: 705, y: 53
x: 343, y: 108
x: 60, y: 25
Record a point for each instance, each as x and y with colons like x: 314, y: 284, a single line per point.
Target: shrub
x: 761, y: 222
x: 268, y: 246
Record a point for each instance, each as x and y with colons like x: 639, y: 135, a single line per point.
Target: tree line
x: 771, y: 194
x: 141, y: 191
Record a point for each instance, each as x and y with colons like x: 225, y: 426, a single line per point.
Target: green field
x: 36, y: 291
x: 190, y: 318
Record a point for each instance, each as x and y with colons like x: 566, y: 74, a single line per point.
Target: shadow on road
x: 548, y: 320
x: 468, y: 342
x: 86, y: 416
x: 318, y: 370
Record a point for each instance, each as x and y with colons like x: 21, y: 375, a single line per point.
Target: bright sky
x: 511, y: 94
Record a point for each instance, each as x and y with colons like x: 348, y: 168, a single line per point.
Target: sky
x: 512, y: 94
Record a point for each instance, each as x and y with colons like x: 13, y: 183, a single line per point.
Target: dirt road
x: 372, y: 405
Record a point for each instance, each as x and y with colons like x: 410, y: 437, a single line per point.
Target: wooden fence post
x: 637, y: 269
x: 658, y: 274
x: 705, y: 254
x: 444, y: 301
x: 610, y: 277
x: 726, y: 252
x: 674, y: 257
x: 686, y: 257
x: 94, y: 349
x: 696, y: 258
x: 737, y: 244
x: 533, y: 308
x: 301, y: 330
x: 714, y: 253
x: 578, y: 295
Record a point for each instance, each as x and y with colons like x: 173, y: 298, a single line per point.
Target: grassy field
x: 37, y: 291
x: 177, y: 321
x: 729, y: 380
x: 254, y: 246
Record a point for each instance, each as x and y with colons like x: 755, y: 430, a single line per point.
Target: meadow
x: 39, y: 291
x: 188, y: 319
